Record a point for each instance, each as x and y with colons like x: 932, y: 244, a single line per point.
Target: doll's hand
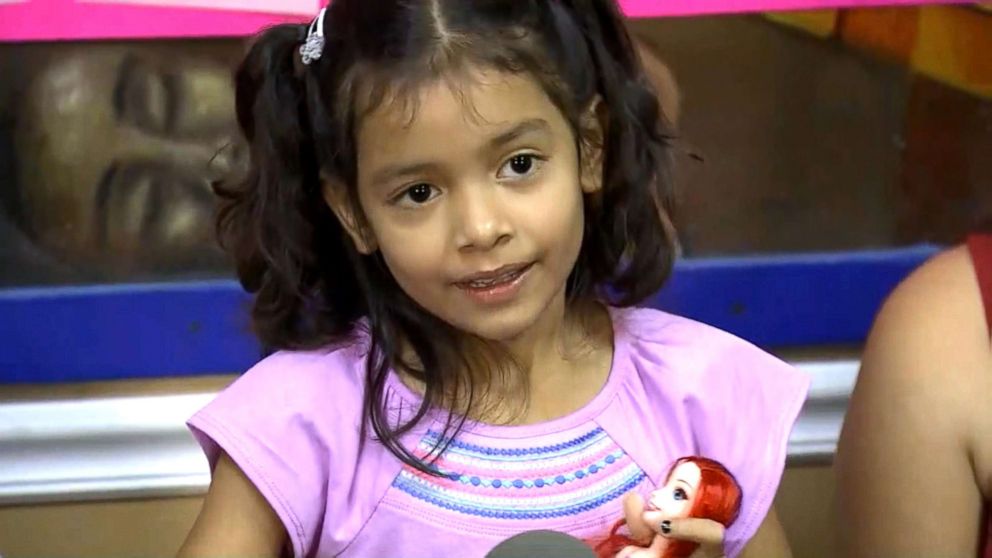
x: 708, y: 533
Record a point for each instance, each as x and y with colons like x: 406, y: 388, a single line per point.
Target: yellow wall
x: 950, y: 44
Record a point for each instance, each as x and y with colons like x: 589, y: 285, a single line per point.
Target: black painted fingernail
x: 666, y: 526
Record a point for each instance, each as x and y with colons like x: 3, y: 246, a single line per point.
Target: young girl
x: 451, y: 208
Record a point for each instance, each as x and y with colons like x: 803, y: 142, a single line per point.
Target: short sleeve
x: 742, y: 416
x: 267, y: 422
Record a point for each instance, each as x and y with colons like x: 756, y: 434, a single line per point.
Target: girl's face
x: 676, y: 497
x: 476, y: 202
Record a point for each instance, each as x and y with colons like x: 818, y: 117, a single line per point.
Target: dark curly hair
x: 312, y: 286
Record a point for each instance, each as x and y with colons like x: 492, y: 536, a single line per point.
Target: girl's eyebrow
x: 391, y: 172
x: 522, y: 128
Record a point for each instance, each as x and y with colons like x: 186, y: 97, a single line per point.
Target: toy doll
x: 694, y: 487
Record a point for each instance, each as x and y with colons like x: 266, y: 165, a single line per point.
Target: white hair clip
x: 313, y: 47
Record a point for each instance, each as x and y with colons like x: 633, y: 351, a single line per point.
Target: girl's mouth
x: 495, y: 286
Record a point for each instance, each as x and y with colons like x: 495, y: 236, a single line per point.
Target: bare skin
x: 914, y: 462
x: 235, y: 519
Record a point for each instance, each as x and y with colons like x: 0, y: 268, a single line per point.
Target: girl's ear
x: 336, y: 196
x: 591, y: 126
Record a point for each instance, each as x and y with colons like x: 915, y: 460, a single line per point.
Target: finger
x: 633, y: 509
x: 693, y: 529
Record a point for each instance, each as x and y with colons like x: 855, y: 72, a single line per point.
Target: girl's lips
x: 493, y: 276
x: 496, y: 288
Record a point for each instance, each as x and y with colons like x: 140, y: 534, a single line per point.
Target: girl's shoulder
x: 336, y: 370
x: 303, y: 393
x: 291, y: 423
x: 651, y: 324
x: 687, y: 349
x: 324, y: 384
x: 677, y: 360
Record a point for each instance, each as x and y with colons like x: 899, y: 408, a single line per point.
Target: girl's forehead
x: 475, y: 99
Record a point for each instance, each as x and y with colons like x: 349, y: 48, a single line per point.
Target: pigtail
x: 274, y: 223
x: 637, y: 197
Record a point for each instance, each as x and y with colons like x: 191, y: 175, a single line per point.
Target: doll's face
x: 676, y: 497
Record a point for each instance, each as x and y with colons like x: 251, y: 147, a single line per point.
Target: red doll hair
x: 718, y: 497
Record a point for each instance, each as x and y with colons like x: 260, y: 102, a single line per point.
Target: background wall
x: 838, y: 130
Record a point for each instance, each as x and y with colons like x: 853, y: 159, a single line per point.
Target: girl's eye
x: 419, y: 193
x: 520, y: 166
x: 679, y: 494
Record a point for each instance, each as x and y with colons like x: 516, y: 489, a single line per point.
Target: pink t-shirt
x: 676, y: 388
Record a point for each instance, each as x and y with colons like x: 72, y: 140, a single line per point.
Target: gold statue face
x: 117, y: 145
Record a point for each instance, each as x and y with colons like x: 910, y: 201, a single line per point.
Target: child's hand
x: 633, y: 511
x: 654, y: 530
x: 707, y: 533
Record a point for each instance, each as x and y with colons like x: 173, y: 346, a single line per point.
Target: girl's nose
x: 482, y: 223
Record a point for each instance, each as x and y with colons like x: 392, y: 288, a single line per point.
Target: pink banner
x: 657, y: 8
x: 52, y: 20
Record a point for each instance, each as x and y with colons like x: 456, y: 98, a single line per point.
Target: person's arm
x: 769, y: 541
x: 906, y: 482
x: 235, y: 520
